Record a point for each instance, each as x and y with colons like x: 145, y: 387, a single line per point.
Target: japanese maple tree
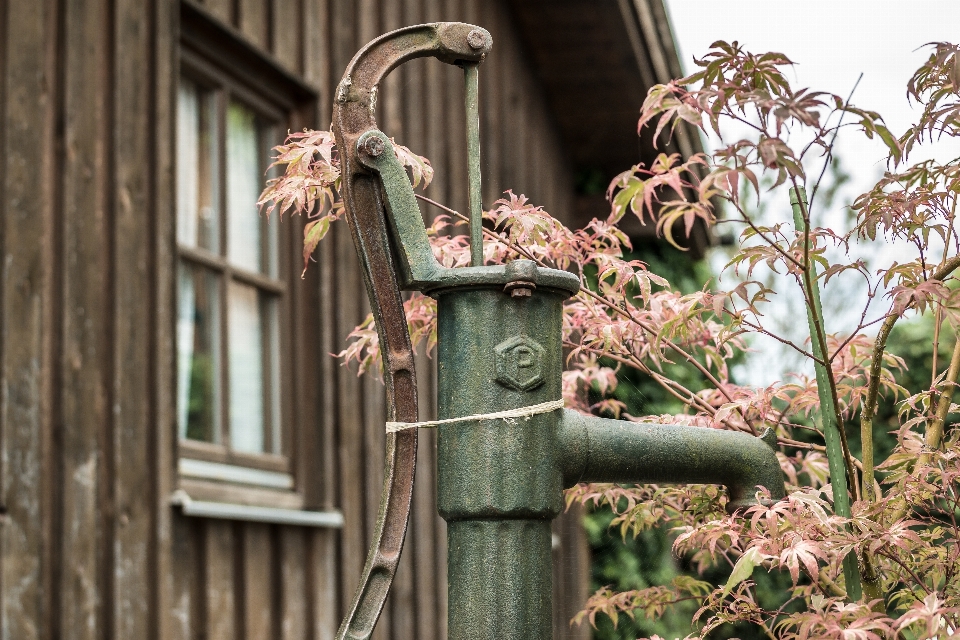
x: 871, y: 546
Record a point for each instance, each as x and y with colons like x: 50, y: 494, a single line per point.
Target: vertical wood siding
x: 89, y: 546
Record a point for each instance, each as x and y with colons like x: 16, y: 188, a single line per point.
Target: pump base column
x: 499, y: 580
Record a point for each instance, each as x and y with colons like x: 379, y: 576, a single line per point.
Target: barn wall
x: 90, y: 547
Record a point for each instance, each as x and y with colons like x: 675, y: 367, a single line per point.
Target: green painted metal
x: 601, y: 450
x: 500, y: 481
x: 471, y: 94
x: 828, y: 410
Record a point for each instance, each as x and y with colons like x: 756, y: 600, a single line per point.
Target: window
x: 228, y: 287
x: 233, y: 279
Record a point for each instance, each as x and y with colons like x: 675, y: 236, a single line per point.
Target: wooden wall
x: 90, y: 547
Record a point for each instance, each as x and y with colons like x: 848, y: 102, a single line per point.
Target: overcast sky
x: 832, y: 43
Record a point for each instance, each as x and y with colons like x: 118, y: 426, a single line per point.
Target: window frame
x: 216, y: 58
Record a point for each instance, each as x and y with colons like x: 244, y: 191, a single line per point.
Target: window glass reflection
x: 245, y: 344
x: 245, y: 162
x: 197, y: 167
x: 198, y: 354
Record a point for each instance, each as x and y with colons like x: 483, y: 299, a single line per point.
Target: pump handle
x: 353, y: 115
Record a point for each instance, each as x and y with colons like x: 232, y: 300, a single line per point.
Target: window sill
x: 235, y: 474
x: 249, y: 513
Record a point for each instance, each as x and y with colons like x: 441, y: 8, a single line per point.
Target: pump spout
x: 599, y: 450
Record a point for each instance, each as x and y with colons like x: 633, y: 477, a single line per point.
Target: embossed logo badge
x: 520, y: 363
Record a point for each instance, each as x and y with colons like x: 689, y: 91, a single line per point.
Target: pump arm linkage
x: 353, y: 116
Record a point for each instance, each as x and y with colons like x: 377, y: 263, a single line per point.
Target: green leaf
x: 743, y: 569
x: 313, y: 233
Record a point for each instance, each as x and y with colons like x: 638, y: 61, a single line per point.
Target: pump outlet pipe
x: 500, y: 477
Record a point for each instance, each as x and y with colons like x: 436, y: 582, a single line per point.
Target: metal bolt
x: 477, y: 39
x: 519, y: 288
x: 373, y: 146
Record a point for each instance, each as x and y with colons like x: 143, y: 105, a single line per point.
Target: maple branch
x: 770, y: 242
x: 869, y: 409
x: 759, y: 329
x: 934, y: 433
x: 672, y: 387
x: 601, y: 300
x: 853, y: 334
x: 916, y: 578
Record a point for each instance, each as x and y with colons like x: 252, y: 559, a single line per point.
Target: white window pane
x: 245, y: 344
x: 244, y: 182
x: 197, y: 190
x: 271, y: 135
x: 198, y: 354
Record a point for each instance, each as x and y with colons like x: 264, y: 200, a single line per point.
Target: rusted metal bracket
x: 353, y: 115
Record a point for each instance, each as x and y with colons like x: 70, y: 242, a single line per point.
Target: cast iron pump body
x: 499, y: 480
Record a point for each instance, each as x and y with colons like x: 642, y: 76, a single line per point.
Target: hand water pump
x: 506, y: 447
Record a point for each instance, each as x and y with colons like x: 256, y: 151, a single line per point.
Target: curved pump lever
x: 353, y: 116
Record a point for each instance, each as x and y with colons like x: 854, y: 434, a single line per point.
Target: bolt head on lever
x: 372, y: 146
x: 478, y: 39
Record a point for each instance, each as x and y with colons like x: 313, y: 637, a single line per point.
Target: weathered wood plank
x: 258, y: 561
x: 390, y: 100
x: 424, y: 541
x: 325, y: 586
x: 454, y: 106
x: 316, y: 52
x: 133, y: 547
x: 374, y: 438
x: 322, y: 580
x: 287, y: 32
x: 222, y: 10
x: 351, y: 451
x: 28, y: 100
x: 414, y: 109
x: 220, y: 605
x: 185, y: 620
x: 86, y: 422
x: 368, y: 21
x: 517, y: 151
x: 167, y: 564
x: 506, y: 71
x: 433, y: 104
x: 405, y: 597
x: 254, y: 21
x: 294, y: 593
x: 571, y: 573
x: 535, y: 137
x: 349, y: 300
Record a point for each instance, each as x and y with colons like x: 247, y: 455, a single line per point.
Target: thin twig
x: 770, y: 242
x: 759, y: 329
x: 833, y: 139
